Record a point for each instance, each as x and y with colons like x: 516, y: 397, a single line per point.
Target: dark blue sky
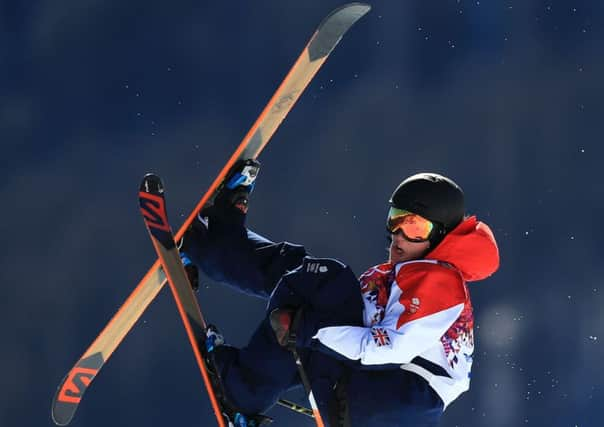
x: 505, y: 97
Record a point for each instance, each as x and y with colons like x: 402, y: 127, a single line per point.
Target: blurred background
x: 505, y: 97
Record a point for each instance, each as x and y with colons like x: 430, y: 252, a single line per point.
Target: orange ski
x: 153, y: 208
x: 321, y: 44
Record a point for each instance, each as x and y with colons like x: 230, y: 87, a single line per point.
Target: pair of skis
x: 321, y: 44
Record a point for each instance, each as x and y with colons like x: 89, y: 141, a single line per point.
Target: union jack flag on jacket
x: 422, y: 308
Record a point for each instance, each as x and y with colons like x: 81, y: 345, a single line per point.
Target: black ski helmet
x: 433, y: 196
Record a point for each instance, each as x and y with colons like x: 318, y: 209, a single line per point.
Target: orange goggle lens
x: 414, y: 227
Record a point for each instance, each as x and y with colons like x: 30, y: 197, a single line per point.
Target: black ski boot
x: 240, y: 183
x: 235, y: 191
x: 229, y: 206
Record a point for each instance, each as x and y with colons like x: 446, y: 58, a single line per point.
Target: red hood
x: 470, y: 247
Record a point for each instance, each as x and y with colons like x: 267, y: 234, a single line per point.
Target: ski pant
x: 391, y: 397
x: 256, y: 375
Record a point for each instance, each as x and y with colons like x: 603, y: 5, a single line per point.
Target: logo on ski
x: 154, y: 211
x: 76, y: 384
x: 285, y: 102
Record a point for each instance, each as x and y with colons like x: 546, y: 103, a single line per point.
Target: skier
x: 393, y: 347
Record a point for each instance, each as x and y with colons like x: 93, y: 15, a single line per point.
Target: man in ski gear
x: 393, y: 347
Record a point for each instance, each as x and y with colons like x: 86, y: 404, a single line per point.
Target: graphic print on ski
x: 153, y: 207
x: 321, y: 44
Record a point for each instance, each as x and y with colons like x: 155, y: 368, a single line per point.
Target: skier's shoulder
x: 379, y: 269
x: 431, y: 277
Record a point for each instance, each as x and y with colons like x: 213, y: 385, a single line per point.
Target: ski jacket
x: 418, y: 314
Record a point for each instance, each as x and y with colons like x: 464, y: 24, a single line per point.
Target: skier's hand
x: 281, y: 321
x: 285, y: 323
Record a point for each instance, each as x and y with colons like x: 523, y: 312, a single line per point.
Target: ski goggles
x: 414, y: 227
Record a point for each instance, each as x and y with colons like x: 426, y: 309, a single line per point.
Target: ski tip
x: 60, y: 418
x: 347, y: 15
x: 62, y: 412
x: 72, y: 388
x: 152, y: 184
x: 359, y: 7
x: 333, y: 28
